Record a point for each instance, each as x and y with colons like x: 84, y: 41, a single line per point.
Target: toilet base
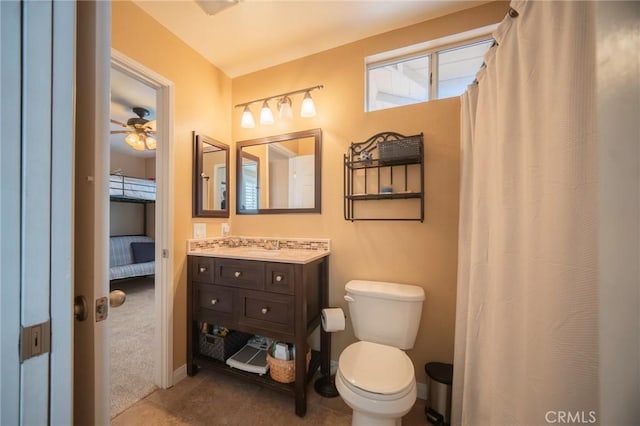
x: 375, y: 413
x: 363, y: 419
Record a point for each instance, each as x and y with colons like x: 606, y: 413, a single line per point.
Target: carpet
x: 131, y: 344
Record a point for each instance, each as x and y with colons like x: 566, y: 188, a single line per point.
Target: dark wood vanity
x: 275, y: 299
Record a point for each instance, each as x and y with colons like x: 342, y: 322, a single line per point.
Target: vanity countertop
x: 285, y: 254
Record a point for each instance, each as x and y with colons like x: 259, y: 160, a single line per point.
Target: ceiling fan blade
x: 113, y: 132
x: 151, y: 125
x: 119, y: 123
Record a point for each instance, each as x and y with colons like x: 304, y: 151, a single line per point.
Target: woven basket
x: 397, y: 151
x: 221, y: 348
x: 284, y: 371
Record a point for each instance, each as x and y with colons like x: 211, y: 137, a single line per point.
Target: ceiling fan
x: 140, y: 131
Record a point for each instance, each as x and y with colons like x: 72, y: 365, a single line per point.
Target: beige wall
x: 202, y: 103
x: 419, y: 253
x: 424, y: 254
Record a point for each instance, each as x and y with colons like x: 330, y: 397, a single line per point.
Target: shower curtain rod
x: 512, y: 14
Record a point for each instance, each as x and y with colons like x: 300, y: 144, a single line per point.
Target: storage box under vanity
x: 222, y: 347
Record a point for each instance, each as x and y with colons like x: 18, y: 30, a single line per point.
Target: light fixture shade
x: 150, y: 142
x: 132, y: 139
x: 308, y: 108
x: 266, y: 115
x: 247, y: 121
x: 284, y: 109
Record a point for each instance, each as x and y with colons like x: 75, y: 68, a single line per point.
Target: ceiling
x: 256, y: 34
x: 265, y: 33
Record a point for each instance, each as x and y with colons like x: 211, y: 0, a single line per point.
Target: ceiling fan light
x: 308, y: 108
x: 132, y: 140
x: 150, y: 142
x: 266, y: 115
x: 247, y: 121
x: 284, y: 109
x: 139, y: 146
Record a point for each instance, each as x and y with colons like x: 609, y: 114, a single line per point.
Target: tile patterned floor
x: 210, y: 398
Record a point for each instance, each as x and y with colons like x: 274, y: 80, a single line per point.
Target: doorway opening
x: 141, y: 232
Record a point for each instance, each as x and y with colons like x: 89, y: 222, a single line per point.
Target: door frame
x: 163, y: 341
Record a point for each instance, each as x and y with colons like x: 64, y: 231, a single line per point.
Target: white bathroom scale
x: 252, y: 357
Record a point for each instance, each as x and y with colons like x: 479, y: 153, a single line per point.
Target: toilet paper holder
x: 326, y: 385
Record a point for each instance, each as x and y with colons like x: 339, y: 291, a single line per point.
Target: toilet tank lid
x: 385, y: 290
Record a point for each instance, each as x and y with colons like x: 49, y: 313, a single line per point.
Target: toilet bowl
x: 378, y: 382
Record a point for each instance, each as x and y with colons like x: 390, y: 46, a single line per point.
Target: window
x: 403, y: 82
x: 457, y: 67
x: 399, y: 78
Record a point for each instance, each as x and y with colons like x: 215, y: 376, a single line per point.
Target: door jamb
x: 163, y: 350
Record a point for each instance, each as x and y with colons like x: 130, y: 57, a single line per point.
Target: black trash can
x: 440, y: 377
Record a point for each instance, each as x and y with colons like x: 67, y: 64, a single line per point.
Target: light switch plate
x: 199, y: 230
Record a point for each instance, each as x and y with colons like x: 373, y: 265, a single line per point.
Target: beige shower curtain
x: 527, y: 309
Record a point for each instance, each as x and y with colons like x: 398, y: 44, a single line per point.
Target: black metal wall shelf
x: 369, y: 169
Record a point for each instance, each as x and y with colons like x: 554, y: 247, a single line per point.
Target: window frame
x: 430, y: 49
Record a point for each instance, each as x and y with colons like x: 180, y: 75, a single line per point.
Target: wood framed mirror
x: 210, y: 177
x: 280, y: 174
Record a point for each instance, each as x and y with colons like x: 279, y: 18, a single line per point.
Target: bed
x: 132, y: 189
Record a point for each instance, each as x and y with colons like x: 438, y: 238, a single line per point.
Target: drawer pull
x: 278, y: 278
x: 214, y: 301
x: 264, y: 311
x: 237, y: 274
x: 203, y: 269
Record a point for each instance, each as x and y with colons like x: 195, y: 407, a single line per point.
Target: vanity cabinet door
x: 240, y: 273
x: 268, y: 311
x: 202, y: 269
x: 280, y: 278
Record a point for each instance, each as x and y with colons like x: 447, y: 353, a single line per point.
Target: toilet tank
x: 385, y: 313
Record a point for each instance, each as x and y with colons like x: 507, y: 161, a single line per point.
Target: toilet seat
x: 379, y: 372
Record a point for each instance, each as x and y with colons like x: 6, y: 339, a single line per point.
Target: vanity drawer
x: 267, y: 310
x: 279, y: 278
x: 202, y: 269
x: 215, y: 298
x: 240, y: 273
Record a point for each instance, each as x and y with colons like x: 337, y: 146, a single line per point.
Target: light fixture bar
x: 268, y: 98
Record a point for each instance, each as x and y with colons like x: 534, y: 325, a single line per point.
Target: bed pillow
x: 143, y: 251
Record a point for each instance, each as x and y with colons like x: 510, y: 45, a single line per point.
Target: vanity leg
x: 301, y: 378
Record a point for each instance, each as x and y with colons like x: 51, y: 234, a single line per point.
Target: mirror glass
x: 280, y: 174
x: 210, y: 177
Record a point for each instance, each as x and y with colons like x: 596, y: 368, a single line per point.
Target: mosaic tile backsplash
x: 256, y: 242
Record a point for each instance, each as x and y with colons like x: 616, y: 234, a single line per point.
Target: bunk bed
x: 131, y: 189
x: 131, y: 255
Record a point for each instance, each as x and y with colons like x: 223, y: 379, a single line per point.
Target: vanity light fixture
x: 284, y: 104
x: 247, y: 121
x: 308, y: 108
x: 266, y: 115
x: 284, y: 109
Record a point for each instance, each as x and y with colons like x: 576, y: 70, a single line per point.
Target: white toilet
x: 375, y: 377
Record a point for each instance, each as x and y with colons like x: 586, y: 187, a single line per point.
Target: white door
x: 36, y: 92
x: 302, y: 181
